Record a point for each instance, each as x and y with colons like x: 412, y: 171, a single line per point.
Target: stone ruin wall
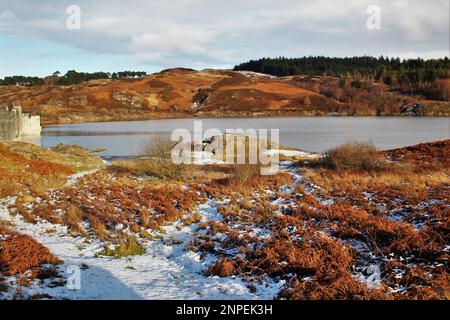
x: 14, y: 124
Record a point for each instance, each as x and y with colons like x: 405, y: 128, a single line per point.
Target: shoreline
x: 47, y: 125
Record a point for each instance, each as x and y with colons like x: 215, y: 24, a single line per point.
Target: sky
x: 38, y: 38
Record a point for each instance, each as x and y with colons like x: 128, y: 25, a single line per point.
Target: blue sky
x: 38, y: 57
x: 158, y: 34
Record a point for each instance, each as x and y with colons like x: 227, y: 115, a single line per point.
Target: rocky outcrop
x: 78, y: 101
x: 57, y: 100
x: 413, y: 109
x: 128, y: 100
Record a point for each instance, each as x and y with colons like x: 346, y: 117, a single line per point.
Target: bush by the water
x: 355, y: 156
x: 160, y: 162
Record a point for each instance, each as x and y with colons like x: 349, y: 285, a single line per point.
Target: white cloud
x: 212, y: 33
x: 185, y: 40
x: 420, y: 22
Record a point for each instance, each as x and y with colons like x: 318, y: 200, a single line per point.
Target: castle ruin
x: 14, y: 124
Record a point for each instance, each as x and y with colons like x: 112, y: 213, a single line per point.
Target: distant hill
x: 184, y: 92
x: 170, y: 93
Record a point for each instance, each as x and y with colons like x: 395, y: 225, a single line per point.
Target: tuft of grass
x: 98, y: 228
x: 126, y: 247
x: 359, y: 156
x: 265, y: 210
x: 8, y: 188
x: 242, y: 173
x: 73, y: 217
x: 194, y: 217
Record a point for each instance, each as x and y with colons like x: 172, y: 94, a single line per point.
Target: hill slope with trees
x: 180, y: 92
x: 414, y: 75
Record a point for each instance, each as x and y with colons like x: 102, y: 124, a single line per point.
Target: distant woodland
x: 412, y: 76
x: 70, y: 78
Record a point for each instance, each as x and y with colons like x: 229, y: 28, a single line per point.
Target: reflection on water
x: 307, y: 133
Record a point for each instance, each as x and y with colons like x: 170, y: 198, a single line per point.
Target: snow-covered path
x: 165, y: 271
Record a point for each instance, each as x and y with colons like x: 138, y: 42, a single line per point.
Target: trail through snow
x: 165, y: 271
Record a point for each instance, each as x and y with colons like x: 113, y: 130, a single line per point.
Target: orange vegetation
x: 424, y: 154
x: 170, y: 93
x: 319, y: 231
x: 105, y: 204
x: 29, y: 169
x: 184, y: 92
x: 397, y: 218
x: 20, y: 253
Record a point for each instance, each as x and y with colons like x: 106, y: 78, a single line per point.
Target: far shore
x: 107, y: 119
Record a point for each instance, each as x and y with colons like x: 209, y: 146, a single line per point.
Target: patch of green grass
x: 126, y: 247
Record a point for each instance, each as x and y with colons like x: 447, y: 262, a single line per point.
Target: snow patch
x: 168, y: 270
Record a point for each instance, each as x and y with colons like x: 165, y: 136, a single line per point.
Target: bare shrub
x: 160, y: 162
x: 355, y: 156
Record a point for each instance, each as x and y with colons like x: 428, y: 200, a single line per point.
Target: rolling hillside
x: 184, y: 92
x: 170, y: 93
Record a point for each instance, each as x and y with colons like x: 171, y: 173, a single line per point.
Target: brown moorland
x: 339, y: 221
x: 317, y: 227
x: 184, y: 93
x: 26, y: 172
x: 28, y: 169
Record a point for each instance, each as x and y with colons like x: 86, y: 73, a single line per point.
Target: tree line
x: 391, y: 71
x: 70, y: 78
x: 21, y: 81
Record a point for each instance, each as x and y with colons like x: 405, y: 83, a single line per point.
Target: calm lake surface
x: 316, y: 134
